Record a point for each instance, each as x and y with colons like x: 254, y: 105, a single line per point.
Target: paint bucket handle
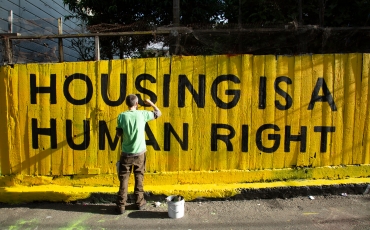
x: 173, y: 210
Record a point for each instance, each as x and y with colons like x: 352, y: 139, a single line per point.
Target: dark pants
x: 125, y: 168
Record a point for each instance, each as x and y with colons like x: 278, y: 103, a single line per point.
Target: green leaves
x: 147, y: 14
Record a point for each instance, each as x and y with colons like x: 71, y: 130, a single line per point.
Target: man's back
x: 132, y: 123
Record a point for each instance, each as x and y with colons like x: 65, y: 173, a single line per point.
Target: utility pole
x: 300, y: 22
x: 176, y: 12
x: 322, y: 4
x: 60, y: 40
x: 174, y: 47
x: 240, y: 14
x: 10, y: 21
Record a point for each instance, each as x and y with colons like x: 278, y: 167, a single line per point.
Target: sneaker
x: 142, y: 207
x: 120, y: 209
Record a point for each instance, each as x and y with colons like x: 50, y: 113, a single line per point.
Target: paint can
x: 176, y: 206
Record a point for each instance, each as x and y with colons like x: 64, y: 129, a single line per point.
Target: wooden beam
x: 171, y: 30
x: 12, y: 35
x: 287, y: 29
x: 113, y: 34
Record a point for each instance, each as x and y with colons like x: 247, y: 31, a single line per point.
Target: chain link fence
x: 38, y: 50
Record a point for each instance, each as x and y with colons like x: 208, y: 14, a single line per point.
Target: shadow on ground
x: 100, y: 203
x: 148, y: 215
x: 103, y: 209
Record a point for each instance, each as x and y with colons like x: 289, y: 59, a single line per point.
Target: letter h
x: 52, y: 132
x: 45, y: 89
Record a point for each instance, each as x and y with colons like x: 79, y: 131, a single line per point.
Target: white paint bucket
x: 175, y: 208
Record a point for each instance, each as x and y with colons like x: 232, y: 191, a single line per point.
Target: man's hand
x: 157, y: 112
x: 148, y: 102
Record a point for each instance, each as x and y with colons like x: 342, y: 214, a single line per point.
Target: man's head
x: 131, y: 100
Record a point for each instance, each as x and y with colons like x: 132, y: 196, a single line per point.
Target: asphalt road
x: 322, y: 212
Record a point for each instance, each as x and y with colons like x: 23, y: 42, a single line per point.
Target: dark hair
x: 131, y: 100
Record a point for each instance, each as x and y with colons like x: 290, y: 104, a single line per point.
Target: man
x: 131, y: 127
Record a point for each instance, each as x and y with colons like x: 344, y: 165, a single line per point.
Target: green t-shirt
x: 132, y: 123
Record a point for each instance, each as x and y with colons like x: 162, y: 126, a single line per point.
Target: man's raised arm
x: 157, y: 112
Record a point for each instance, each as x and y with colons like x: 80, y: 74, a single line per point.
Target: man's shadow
x: 103, y: 209
x: 149, y: 214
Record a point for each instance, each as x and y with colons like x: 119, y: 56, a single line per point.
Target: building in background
x: 38, y: 17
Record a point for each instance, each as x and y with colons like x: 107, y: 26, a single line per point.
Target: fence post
x: 97, y: 49
x: 60, y: 40
x: 8, y: 57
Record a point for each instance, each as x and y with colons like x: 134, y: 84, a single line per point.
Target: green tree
x: 225, y: 14
x: 333, y: 13
x: 342, y: 13
x: 143, y: 15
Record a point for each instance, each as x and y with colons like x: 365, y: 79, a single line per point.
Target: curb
x: 270, y: 190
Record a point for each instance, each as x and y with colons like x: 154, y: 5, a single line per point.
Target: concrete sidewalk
x: 319, y: 212
x: 281, y: 189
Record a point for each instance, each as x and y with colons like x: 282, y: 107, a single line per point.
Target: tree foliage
x: 148, y: 14
x: 336, y: 13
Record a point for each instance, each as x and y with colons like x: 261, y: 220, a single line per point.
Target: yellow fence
x: 240, y: 112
